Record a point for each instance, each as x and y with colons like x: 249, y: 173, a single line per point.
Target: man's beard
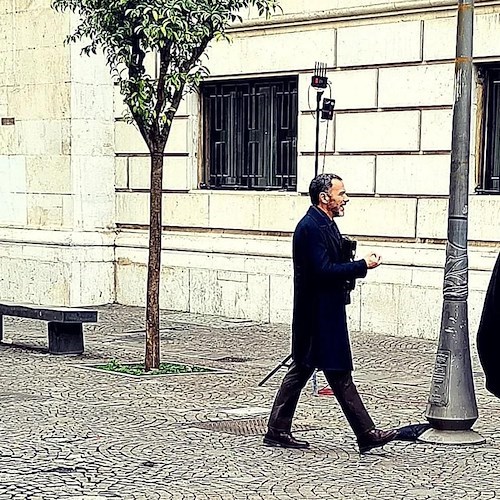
x: 338, y: 211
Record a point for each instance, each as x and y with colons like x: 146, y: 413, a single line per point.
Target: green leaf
x: 178, y: 31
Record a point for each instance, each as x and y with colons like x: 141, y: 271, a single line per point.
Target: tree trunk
x: 152, y: 359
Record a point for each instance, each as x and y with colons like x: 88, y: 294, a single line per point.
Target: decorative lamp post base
x: 437, y: 436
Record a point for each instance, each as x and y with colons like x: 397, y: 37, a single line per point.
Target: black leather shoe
x: 285, y: 440
x: 375, y: 438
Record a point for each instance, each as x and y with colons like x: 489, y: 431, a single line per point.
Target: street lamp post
x: 452, y: 407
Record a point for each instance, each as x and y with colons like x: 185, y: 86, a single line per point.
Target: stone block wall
x: 56, y: 163
x: 391, y: 74
x: 75, y: 175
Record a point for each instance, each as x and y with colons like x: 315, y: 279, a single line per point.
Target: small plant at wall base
x: 176, y: 33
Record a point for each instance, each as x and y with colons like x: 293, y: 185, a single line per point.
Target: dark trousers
x: 343, y: 387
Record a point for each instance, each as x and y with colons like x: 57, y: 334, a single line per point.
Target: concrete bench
x: 65, y: 324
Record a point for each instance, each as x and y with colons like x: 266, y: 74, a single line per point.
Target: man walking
x: 320, y: 338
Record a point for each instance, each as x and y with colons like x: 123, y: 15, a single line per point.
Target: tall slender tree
x: 176, y: 33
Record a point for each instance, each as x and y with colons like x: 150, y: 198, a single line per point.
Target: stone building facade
x: 74, y: 175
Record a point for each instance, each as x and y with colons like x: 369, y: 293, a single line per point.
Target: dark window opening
x: 489, y: 182
x: 250, y: 132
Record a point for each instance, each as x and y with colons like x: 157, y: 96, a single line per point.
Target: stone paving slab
x: 71, y: 433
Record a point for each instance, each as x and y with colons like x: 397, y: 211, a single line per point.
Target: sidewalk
x: 72, y: 433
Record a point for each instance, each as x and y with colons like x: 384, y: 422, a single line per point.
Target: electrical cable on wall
x: 332, y: 103
x: 312, y: 112
x: 324, y: 151
x: 324, y: 108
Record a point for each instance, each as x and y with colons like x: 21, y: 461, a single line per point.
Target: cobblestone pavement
x: 72, y: 433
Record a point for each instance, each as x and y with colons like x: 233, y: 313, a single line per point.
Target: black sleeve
x: 310, y: 244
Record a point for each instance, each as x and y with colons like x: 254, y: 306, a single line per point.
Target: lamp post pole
x: 452, y: 407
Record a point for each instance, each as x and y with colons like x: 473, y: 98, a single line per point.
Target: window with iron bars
x: 489, y: 175
x: 250, y: 134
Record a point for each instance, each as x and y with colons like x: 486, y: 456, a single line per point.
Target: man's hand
x: 373, y: 260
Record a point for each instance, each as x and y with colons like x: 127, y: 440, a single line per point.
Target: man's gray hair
x: 321, y: 184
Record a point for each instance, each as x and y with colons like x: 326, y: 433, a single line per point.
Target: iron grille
x: 490, y: 174
x: 251, y: 134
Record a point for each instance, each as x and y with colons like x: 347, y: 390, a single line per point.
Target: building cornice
x: 388, y: 9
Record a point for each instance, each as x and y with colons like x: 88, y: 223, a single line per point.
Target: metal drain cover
x: 244, y: 427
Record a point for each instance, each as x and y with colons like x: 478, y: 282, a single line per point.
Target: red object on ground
x: 326, y: 391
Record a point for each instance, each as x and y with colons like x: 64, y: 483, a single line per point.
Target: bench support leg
x: 1, y: 327
x: 65, y: 338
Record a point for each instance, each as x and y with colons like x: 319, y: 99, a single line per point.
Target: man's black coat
x: 488, y: 334
x: 319, y: 330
